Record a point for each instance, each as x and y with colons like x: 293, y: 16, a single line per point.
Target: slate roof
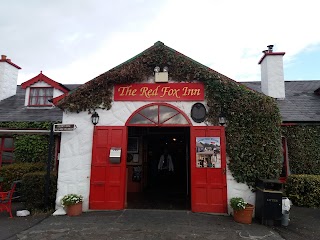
x: 301, y: 103
x: 13, y: 109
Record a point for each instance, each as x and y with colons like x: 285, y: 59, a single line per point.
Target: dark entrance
x: 149, y: 187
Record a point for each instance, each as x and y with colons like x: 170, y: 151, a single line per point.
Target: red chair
x: 6, y: 199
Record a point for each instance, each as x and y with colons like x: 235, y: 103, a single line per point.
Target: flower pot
x: 245, y: 215
x: 75, y: 209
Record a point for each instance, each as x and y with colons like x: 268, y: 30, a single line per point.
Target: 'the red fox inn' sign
x: 159, y: 92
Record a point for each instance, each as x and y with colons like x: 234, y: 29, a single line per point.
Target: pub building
x: 115, y: 155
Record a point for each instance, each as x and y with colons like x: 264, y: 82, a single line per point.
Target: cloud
x: 74, y: 41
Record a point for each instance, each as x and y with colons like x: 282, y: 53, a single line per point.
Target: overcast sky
x: 73, y: 41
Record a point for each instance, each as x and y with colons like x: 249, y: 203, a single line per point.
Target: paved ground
x: 156, y: 224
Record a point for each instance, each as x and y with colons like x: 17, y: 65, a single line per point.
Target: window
x: 158, y: 115
x: 6, y: 150
x: 39, y: 96
x: 285, y: 171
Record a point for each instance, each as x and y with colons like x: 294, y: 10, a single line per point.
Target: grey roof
x: 13, y: 109
x: 301, y: 103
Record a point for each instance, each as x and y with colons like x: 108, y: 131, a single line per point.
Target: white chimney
x: 8, y: 77
x: 272, y: 78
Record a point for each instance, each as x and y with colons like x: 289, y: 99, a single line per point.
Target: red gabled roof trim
x: 44, y: 78
x: 57, y: 99
x: 270, y: 53
x: 11, y: 63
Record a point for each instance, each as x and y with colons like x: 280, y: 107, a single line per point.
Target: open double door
x: 208, y: 183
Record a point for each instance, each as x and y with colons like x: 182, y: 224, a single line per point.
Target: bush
x: 33, y: 190
x: 303, y: 190
x: 16, y: 171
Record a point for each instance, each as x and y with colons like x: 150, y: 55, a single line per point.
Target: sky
x: 73, y: 41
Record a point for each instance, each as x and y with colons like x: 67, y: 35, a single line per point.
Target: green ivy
x: 253, y: 128
x: 26, y: 125
x: 304, y: 190
x: 29, y: 147
x: 303, y: 148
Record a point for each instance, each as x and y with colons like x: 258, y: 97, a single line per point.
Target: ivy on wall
x: 29, y: 147
x: 253, y: 128
x: 303, y: 148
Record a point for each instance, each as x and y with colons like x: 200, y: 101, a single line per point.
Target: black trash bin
x: 268, y: 207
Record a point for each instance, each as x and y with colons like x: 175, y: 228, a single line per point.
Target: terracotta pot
x: 74, y: 210
x: 245, y: 215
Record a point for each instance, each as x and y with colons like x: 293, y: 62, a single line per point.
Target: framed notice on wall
x: 133, y: 145
x: 208, y: 152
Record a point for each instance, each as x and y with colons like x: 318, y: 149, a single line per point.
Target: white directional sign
x: 64, y: 127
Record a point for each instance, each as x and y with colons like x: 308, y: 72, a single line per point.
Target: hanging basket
x: 75, y: 209
x: 245, y: 215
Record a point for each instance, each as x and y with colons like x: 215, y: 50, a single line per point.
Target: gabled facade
x: 153, y: 101
x: 26, y: 109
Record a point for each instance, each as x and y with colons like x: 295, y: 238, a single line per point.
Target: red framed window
x: 39, y: 96
x: 285, y: 171
x: 6, y: 150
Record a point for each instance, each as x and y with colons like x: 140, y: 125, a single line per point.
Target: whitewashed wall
x: 76, y: 149
x: 236, y: 189
x: 8, y: 80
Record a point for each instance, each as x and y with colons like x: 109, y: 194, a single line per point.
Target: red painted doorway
x: 208, y: 170
x: 107, y: 182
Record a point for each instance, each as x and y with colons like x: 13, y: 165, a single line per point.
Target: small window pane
x: 7, y: 156
x: 166, y: 113
x: 179, y: 119
x: 151, y: 113
x: 138, y: 119
x: 8, y: 143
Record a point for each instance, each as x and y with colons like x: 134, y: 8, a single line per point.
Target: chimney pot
x: 3, y: 57
x: 270, y: 48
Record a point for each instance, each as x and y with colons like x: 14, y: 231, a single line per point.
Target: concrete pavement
x: 146, y: 224
x: 155, y: 224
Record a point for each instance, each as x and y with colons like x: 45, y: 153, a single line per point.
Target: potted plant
x: 73, y: 204
x: 242, y: 211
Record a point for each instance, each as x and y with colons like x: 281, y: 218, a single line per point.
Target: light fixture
x: 222, y: 119
x: 166, y: 69
x: 156, y: 69
x: 95, y: 118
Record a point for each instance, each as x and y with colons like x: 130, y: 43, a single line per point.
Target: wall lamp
x: 95, y: 118
x: 222, y: 119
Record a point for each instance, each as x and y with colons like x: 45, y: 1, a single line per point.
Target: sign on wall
x: 159, y: 92
x: 208, y: 152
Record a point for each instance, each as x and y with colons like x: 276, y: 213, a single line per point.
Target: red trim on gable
x: 289, y: 124
x: 270, y: 53
x: 57, y: 99
x: 44, y: 78
x: 11, y: 63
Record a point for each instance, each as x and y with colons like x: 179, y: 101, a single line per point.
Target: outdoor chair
x: 6, y: 198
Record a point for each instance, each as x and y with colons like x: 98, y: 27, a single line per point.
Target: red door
x: 107, y: 183
x: 208, y: 184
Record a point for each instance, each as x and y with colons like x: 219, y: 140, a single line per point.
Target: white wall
x: 76, y: 149
x: 236, y: 189
x: 8, y: 80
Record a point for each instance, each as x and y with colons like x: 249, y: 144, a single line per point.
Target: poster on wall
x: 208, y: 152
